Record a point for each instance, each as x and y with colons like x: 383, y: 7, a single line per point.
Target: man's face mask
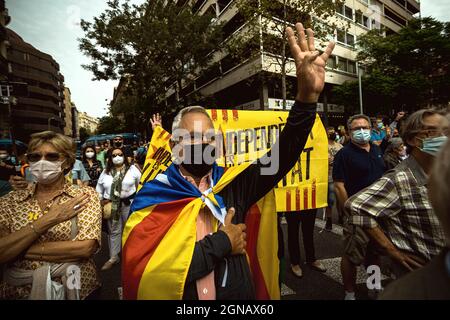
x: 361, y: 136
x: 198, y: 159
x: 433, y: 145
x: 118, y: 143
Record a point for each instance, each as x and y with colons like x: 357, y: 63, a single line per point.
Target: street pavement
x: 312, y: 286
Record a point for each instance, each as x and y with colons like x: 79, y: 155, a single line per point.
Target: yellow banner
x: 247, y: 135
x: 159, y: 156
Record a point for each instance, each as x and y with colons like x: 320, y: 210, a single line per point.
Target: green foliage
x: 154, y: 46
x: 408, y: 70
x: 266, y: 24
x: 84, y: 134
x: 109, y: 125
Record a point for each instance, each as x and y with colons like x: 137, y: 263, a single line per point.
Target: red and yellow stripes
x: 143, y: 233
x: 262, y: 248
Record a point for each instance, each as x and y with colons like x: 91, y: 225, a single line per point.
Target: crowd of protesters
x: 390, y: 183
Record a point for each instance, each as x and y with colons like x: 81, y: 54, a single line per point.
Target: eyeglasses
x: 117, y: 155
x: 433, y: 132
x: 359, y: 128
x: 36, y: 156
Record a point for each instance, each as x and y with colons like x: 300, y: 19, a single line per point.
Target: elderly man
x: 210, y: 263
x: 395, y: 211
x: 431, y: 282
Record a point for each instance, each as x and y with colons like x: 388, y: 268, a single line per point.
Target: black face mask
x: 194, y: 161
x: 118, y: 144
x: 332, y: 136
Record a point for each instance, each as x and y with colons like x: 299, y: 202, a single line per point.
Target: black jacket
x: 213, y: 252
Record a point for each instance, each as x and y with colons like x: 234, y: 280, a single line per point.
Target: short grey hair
x: 414, y: 124
x: 177, y: 120
x: 356, y: 117
x: 396, y: 142
x: 439, y: 189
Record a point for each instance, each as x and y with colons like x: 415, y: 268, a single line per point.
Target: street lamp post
x: 361, y: 109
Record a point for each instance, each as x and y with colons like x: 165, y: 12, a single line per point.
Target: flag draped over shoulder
x: 159, y: 237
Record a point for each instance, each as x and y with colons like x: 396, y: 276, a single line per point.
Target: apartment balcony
x: 45, y: 92
x: 39, y: 103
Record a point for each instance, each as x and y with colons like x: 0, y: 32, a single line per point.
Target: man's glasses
x: 36, y: 156
x: 359, y: 128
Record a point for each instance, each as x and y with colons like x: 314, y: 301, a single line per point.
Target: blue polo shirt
x: 377, y: 136
x: 358, y: 168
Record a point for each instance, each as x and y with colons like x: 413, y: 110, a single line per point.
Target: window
x: 341, y: 36
x: 348, y: 12
x: 346, y: 65
x: 366, y: 22
x: 232, y: 25
x: 351, y: 67
x: 223, y: 4
x: 331, y: 62
x: 344, y: 37
x: 362, y: 19
x: 358, y: 17
x: 342, y: 64
x: 350, y: 39
x: 392, y: 16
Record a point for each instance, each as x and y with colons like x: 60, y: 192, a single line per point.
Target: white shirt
x: 129, y: 183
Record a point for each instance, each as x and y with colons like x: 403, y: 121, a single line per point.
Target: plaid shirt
x: 398, y: 203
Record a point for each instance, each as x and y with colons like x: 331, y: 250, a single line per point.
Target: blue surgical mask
x: 361, y: 136
x: 380, y: 125
x: 433, y: 145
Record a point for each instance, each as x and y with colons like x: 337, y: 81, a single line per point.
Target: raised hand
x: 155, y: 121
x: 400, y: 116
x: 309, y: 62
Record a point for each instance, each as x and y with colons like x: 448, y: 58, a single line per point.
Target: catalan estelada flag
x: 159, y: 237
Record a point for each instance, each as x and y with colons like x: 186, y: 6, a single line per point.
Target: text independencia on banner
x: 247, y: 135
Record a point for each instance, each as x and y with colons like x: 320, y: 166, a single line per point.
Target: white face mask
x: 46, y: 171
x: 117, y: 160
x: 90, y: 155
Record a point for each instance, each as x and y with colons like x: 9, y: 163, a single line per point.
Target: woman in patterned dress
x: 49, y: 231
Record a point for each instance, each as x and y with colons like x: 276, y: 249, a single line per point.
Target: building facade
x: 68, y: 109
x: 75, y: 124
x: 229, y: 83
x: 4, y: 69
x: 87, y: 122
x: 4, y: 21
x: 42, y: 108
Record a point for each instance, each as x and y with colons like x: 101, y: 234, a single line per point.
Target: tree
x: 109, y: 125
x: 266, y: 24
x: 155, y: 45
x: 404, y: 71
x: 84, y: 134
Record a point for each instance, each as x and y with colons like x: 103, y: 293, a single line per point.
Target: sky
x: 53, y: 26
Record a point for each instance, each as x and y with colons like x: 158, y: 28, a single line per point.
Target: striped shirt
x: 398, y: 203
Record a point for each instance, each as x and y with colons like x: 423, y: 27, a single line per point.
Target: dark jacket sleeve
x: 207, y: 252
x: 253, y: 184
